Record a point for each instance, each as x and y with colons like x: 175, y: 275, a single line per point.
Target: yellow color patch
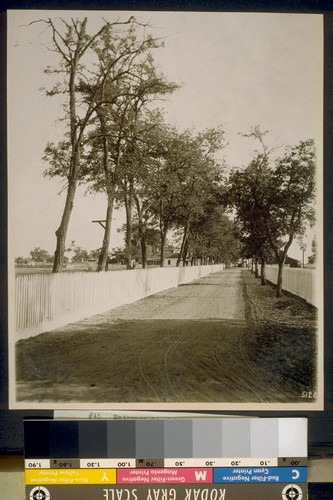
x: 70, y: 476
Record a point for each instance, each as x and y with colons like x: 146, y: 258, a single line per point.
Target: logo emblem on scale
x: 292, y: 492
x: 39, y: 493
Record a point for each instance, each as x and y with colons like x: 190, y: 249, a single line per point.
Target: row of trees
x: 105, y: 77
x: 118, y: 143
x: 74, y: 254
x: 274, y: 201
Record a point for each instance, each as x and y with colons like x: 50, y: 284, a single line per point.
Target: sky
x: 237, y: 70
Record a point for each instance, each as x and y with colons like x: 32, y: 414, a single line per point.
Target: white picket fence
x: 47, y: 301
x: 300, y: 282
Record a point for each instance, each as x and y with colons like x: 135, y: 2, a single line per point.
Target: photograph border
x: 328, y: 178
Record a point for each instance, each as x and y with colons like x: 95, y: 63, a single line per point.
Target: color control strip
x: 109, y: 463
x: 166, y: 439
x: 174, y: 475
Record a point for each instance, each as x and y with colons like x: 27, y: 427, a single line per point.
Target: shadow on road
x: 202, y: 361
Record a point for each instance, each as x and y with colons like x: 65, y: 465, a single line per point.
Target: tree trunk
x: 185, y: 253
x: 279, y: 281
x: 281, y: 263
x: 263, y: 271
x: 143, y: 251
x: 281, y: 258
x: 128, y: 208
x: 163, y: 242
x: 142, y: 238
x: 61, y: 232
x: 76, y: 138
x: 142, y: 226
x: 256, y: 273
x: 182, y: 248
x: 104, y: 255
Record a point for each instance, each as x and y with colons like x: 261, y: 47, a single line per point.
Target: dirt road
x: 194, y: 343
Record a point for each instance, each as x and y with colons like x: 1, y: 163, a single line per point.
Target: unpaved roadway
x: 187, y: 344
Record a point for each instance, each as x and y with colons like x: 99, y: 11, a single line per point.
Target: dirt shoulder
x: 287, y: 310
x: 284, y: 337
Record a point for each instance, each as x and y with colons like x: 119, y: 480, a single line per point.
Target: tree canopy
x: 274, y: 201
x: 95, y: 71
x: 169, y: 181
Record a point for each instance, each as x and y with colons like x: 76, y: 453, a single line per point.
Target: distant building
x: 170, y: 260
x: 292, y: 262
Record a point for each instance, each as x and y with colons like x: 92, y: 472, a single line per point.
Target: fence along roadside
x: 300, y: 282
x: 47, y: 301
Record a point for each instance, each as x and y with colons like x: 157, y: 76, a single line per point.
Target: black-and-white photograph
x: 165, y: 210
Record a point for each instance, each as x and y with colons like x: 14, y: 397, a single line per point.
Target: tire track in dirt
x: 200, y: 369
x: 170, y: 348
x: 206, y: 370
x: 233, y: 384
x: 142, y: 369
x: 173, y: 349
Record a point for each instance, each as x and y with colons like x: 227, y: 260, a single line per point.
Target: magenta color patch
x: 172, y: 475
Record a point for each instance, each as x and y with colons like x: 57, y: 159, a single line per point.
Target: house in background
x: 292, y: 262
x: 170, y: 260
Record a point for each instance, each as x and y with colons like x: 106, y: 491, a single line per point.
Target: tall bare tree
x: 81, y: 67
